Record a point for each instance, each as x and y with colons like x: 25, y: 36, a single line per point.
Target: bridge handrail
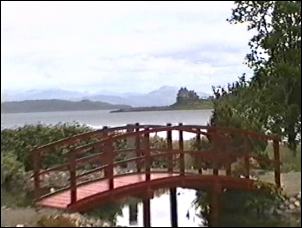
x: 86, y: 135
x: 148, y: 157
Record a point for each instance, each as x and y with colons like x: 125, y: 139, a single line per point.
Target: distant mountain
x: 108, y: 98
x: 55, y: 105
x: 165, y: 95
x: 43, y: 94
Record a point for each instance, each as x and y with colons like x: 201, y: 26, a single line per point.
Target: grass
x: 289, y: 162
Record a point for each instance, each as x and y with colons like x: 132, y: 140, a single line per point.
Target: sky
x: 120, y: 46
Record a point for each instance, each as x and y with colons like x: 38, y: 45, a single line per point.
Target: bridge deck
x: 62, y: 200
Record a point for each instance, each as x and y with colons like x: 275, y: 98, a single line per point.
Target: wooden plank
x: 277, y: 163
x: 73, y: 183
x: 181, y: 149
x: 137, y: 147
x: 36, y: 165
x: 147, y: 155
x: 170, y: 149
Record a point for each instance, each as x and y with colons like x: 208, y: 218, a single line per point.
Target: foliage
x: 202, y: 201
x: 12, y: 172
x: 232, y: 109
x: 188, y: 99
x: 289, y: 162
x: 184, y: 95
x: 271, y: 100
x: 260, y: 202
x: 56, y: 221
x: 108, y: 212
x: 22, y: 140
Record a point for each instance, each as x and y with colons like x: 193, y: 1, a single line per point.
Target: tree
x: 271, y: 99
x: 184, y: 95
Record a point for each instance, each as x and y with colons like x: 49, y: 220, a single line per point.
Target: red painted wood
x: 170, y: 148
x: 181, y: 149
x: 133, y: 181
x: 62, y: 200
x: 137, y: 147
x: 277, y: 164
x: 80, y: 196
x: 147, y: 154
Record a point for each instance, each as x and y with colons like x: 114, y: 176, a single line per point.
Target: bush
x: 13, y: 173
x: 22, y: 140
x: 13, y: 182
x: 235, y: 202
x: 289, y: 161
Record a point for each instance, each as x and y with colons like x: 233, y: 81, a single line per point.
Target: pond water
x: 160, y: 206
x: 160, y: 211
x: 100, y: 118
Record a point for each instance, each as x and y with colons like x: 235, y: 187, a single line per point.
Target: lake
x: 160, y: 208
x: 100, y: 118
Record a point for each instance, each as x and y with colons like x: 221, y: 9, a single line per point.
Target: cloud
x: 120, y: 46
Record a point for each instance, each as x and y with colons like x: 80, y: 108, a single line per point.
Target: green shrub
x: 13, y: 173
x: 22, y: 140
x: 289, y: 161
x: 108, y: 212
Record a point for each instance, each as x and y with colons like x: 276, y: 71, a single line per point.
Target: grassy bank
x: 289, y: 161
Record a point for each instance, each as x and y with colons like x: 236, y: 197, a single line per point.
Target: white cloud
x: 120, y: 45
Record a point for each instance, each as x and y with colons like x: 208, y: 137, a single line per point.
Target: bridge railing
x: 220, y: 154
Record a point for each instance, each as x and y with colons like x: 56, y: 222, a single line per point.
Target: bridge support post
x: 109, y: 173
x: 146, y: 212
x: 73, y: 181
x: 215, y: 170
x: 104, y: 162
x: 277, y: 163
x: 133, y: 210
x: 214, y: 205
x: 198, y: 142
x: 37, y: 165
x: 247, y: 166
x: 173, y: 207
x: 170, y: 147
x: 228, y: 170
x: 181, y: 149
x: 147, y: 155
x: 138, y: 150
x: 131, y: 144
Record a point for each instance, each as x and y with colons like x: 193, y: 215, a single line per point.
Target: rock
x: 291, y: 206
x: 282, y: 207
x: 299, y: 196
x: 297, y: 203
x: 278, y: 212
x: 292, y: 199
x: 20, y: 225
x: 271, y: 211
x: 106, y: 224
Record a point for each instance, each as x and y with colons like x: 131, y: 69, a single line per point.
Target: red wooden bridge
x: 112, y: 163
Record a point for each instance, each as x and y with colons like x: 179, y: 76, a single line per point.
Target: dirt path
x: 25, y: 216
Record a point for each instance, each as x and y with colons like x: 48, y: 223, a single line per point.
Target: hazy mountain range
x: 165, y: 95
x: 52, y: 105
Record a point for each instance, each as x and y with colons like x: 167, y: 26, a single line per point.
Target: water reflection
x: 160, y: 211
